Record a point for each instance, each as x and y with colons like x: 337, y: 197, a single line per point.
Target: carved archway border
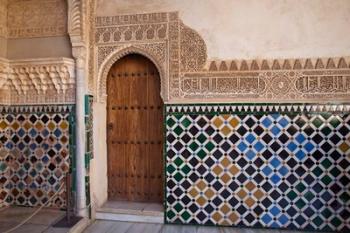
x: 119, y: 53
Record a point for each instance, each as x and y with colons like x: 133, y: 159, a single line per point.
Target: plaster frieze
x: 188, y: 76
x: 49, y: 80
x: 46, y: 18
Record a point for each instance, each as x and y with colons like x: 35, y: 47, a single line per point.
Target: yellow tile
x: 344, y: 147
x: 250, y: 186
x: 51, y: 126
x: 217, y: 217
x: 193, y: 192
x: 39, y: 126
x: 233, y: 217
x: 225, y: 116
x: 226, y: 130
x: 242, y: 194
x: 201, y: 185
x: 249, y: 202
x: 15, y: 125
x: 3, y: 125
x: 225, y: 209
x: 225, y: 178
x: 259, y: 194
x: 209, y: 193
x: 225, y: 162
x: 218, y: 122
x: 64, y: 125
x: 234, y: 170
x: 234, y: 122
x: 217, y: 170
x: 201, y: 201
x: 27, y: 125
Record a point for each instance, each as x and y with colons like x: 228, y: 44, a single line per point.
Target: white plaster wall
x: 256, y: 28
x: 98, y: 169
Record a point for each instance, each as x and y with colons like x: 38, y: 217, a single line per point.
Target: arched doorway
x: 134, y: 131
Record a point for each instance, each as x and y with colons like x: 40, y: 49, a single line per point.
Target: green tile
x: 309, y: 196
x: 178, y: 207
x: 170, y: 169
x: 317, y: 221
x: 178, y: 161
x: 317, y: 122
x: 326, y: 130
x: 326, y: 180
x: 185, y: 215
x: 336, y: 222
x: 326, y: 163
x: 335, y: 172
x: 300, y: 187
x: 178, y: 130
x: 202, y: 154
x: 194, y: 146
x: 210, y: 146
x: 300, y: 203
x: 292, y: 195
x: 186, y: 122
x: 317, y: 171
x: 185, y: 169
x: 334, y: 121
x: 170, y: 214
x: 326, y: 213
x: 170, y: 122
x: 178, y: 177
x: 201, y: 138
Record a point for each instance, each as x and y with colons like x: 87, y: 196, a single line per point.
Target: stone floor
x: 40, y: 223
x: 126, y: 227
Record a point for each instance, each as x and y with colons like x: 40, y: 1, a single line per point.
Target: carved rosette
x: 38, y: 81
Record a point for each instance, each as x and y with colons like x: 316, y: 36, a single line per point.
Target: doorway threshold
x: 131, y: 212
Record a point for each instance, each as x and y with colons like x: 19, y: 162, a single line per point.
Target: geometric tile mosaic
x: 258, y: 169
x: 34, y: 157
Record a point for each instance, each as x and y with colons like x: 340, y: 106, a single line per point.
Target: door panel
x: 134, y: 131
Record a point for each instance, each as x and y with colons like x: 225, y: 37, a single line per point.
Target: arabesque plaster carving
x: 186, y: 75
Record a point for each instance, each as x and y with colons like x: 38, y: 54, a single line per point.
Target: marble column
x: 79, y: 55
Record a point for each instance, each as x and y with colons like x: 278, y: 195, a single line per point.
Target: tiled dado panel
x: 34, y: 155
x: 226, y: 165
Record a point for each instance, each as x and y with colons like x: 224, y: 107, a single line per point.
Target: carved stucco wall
x: 3, y: 18
x: 37, y: 28
x: 180, y: 54
x: 37, y: 18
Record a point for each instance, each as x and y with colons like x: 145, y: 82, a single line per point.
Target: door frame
x: 103, y: 123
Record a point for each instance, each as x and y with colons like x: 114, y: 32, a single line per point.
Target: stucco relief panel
x: 189, y: 77
x: 37, y: 18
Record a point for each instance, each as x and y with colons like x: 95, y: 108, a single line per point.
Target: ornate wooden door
x: 134, y: 131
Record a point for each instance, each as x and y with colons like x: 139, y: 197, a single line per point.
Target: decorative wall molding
x: 189, y: 77
x: 50, y: 80
x: 248, y: 108
x: 46, y: 18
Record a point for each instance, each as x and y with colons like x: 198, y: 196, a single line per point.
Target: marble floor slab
x: 101, y: 226
x: 40, y: 223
